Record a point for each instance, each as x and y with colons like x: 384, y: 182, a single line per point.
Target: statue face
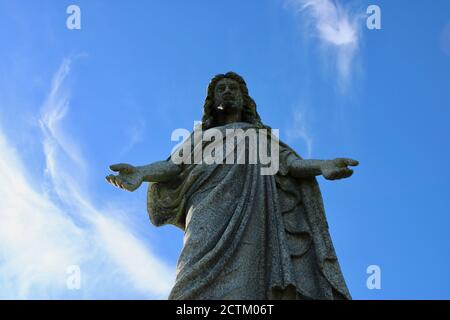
x: 228, y: 96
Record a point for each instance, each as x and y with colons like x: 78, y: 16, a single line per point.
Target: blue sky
x: 74, y: 101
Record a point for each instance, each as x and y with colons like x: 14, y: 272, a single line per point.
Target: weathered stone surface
x: 247, y: 235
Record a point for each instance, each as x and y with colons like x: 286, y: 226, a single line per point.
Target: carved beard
x: 225, y: 106
x: 228, y: 106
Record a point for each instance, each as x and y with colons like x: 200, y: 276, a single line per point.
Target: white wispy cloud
x: 42, y: 232
x: 338, y: 31
x: 135, y: 135
x: 445, y: 39
x: 38, y: 241
x: 299, y: 130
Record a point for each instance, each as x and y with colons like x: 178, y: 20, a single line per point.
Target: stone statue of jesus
x: 246, y: 235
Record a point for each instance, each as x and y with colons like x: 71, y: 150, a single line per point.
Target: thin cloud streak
x: 38, y: 241
x: 42, y: 234
x: 146, y: 271
x: 338, y: 31
x: 135, y: 135
x: 299, y: 130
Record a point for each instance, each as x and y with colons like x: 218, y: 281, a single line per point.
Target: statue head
x: 228, y: 93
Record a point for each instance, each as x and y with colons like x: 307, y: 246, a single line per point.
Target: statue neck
x: 226, y: 118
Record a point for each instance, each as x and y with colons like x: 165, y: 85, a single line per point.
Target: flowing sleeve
x: 307, y: 192
x: 166, y: 200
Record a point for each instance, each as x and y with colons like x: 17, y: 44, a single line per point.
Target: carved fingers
x: 338, y: 168
x: 122, y: 168
x: 343, y: 162
x: 336, y: 174
x: 122, y: 182
x: 115, y: 181
x: 128, y: 178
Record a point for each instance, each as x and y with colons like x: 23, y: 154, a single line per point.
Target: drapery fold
x: 248, y: 236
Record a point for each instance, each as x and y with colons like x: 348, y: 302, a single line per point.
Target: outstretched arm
x: 130, y: 177
x: 160, y: 171
x: 330, y: 169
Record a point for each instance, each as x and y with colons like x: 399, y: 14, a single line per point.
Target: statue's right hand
x: 129, y: 178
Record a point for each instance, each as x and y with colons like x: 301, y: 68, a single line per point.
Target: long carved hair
x: 249, y: 113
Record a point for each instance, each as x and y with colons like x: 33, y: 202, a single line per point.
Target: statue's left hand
x: 129, y: 178
x: 337, y: 168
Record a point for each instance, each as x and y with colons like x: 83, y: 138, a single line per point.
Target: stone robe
x: 248, y: 236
